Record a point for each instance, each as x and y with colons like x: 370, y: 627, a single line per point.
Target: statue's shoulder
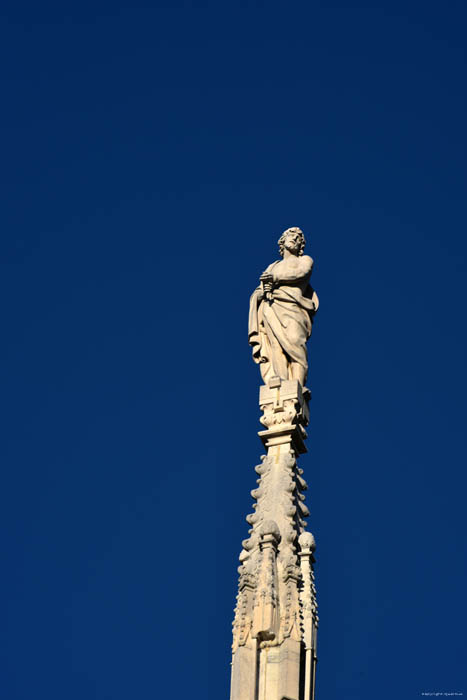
x: 307, y: 262
x: 272, y: 265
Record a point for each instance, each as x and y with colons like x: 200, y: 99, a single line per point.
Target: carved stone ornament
x: 282, y: 309
x: 276, y: 620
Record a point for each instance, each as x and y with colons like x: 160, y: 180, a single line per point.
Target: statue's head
x: 292, y: 239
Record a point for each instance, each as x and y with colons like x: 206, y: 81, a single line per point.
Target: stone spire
x: 276, y: 620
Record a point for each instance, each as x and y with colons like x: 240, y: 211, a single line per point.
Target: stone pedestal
x: 285, y: 415
x: 274, y: 630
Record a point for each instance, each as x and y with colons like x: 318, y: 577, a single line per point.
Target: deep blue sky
x: 151, y: 157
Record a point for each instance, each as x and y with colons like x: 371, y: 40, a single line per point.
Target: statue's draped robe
x: 279, y: 328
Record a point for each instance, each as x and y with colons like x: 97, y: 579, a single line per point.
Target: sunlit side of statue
x: 281, y: 312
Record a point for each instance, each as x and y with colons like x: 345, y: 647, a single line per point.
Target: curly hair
x: 294, y: 229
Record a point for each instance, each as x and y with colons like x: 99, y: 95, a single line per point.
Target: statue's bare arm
x: 297, y: 272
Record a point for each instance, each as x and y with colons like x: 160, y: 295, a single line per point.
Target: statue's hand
x: 267, y: 283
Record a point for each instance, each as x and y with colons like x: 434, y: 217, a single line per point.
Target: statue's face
x: 292, y: 242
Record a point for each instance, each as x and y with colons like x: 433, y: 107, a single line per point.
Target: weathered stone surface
x: 285, y: 414
x: 276, y: 603
x: 276, y: 619
x: 282, y: 310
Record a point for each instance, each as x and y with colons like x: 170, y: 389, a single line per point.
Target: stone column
x: 274, y: 630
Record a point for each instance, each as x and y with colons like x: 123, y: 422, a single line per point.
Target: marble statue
x: 275, y: 626
x: 281, y: 312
